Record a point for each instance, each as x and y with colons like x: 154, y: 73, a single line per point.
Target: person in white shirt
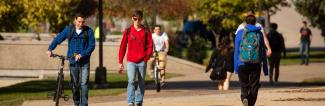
x: 161, y: 45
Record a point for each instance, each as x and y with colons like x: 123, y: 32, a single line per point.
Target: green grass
x: 293, y: 58
x: 38, y: 89
x: 314, y: 81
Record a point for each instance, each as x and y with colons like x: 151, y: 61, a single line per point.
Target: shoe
x: 139, y: 104
x: 130, y: 104
x: 245, y: 102
x: 163, y: 84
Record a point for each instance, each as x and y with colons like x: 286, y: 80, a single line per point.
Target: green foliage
x: 10, y: 13
x: 33, y: 14
x: 314, y: 11
x: 229, y: 14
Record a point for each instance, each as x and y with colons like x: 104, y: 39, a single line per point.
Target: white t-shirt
x: 159, y: 41
x: 241, y: 26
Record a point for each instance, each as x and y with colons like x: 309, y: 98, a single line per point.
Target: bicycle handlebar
x: 59, y: 56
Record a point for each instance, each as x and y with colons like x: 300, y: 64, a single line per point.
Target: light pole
x: 100, y: 75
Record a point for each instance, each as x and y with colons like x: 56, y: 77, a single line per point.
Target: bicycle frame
x: 60, y: 80
x: 157, y: 72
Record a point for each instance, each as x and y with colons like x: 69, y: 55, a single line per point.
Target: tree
x: 10, y: 13
x: 314, y: 11
x: 228, y: 14
x: 32, y: 14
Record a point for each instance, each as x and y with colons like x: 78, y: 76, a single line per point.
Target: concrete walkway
x: 196, y: 89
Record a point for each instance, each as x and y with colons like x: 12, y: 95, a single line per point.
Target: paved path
x: 195, y: 89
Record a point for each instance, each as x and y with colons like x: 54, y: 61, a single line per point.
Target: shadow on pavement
x: 211, y: 85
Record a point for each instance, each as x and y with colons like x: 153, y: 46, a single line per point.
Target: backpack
x: 128, y: 30
x: 218, y: 68
x: 72, y: 28
x: 250, y: 51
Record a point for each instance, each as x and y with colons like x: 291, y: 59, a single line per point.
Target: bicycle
x: 156, y: 72
x: 59, y: 82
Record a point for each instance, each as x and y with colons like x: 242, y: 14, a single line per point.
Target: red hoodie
x: 136, y: 46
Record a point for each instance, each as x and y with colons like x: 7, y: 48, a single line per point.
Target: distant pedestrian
x: 161, y: 46
x: 277, y: 46
x: 250, y: 52
x: 305, y: 40
x: 222, y: 62
x: 137, y: 41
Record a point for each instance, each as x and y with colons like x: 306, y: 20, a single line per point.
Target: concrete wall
x: 30, y: 55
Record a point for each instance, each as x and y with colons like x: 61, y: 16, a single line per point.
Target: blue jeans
x: 133, y: 70
x: 304, y: 47
x: 79, y: 78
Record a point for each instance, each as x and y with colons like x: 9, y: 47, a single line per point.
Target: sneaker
x: 163, y: 84
x: 130, y: 104
x: 139, y: 104
x: 245, y: 102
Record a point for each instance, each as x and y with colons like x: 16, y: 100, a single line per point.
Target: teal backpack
x: 250, y: 51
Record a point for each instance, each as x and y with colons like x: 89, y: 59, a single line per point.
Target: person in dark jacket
x: 222, y: 57
x: 249, y: 73
x: 81, y: 43
x: 277, y: 46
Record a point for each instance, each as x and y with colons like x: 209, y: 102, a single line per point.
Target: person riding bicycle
x: 161, y: 46
x: 81, y: 43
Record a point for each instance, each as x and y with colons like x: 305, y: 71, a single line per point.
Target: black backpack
x: 218, y: 67
x: 72, y: 28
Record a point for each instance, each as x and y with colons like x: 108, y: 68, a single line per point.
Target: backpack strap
x: 128, y: 30
x: 72, y: 28
x: 85, y: 30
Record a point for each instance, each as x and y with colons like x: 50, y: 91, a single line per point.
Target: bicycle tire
x: 157, y: 80
x: 58, y: 91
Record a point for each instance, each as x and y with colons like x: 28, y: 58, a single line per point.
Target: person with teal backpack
x: 249, y: 54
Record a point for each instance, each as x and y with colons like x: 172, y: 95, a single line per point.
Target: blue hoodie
x: 238, y: 39
x: 77, y: 44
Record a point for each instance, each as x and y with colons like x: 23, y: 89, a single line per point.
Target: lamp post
x: 100, y: 75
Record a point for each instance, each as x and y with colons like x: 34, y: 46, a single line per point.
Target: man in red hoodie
x: 138, y: 41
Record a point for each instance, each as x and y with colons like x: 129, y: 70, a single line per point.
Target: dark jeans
x: 79, y: 78
x: 249, y: 78
x: 274, y: 62
x: 304, y: 47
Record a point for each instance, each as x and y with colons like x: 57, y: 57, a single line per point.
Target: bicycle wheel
x: 157, y: 79
x: 58, y: 91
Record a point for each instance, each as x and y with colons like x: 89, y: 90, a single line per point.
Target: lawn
x: 294, y: 58
x: 38, y: 89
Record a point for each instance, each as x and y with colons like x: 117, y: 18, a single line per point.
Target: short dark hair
x: 137, y: 13
x: 274, y: 26
x: 251, y: 19
x: 157, y: 26
x: 304, y: 22
x: 79, y: 15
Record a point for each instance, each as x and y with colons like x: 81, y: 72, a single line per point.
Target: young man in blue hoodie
x: 249, y: 72
x: 81, y: 43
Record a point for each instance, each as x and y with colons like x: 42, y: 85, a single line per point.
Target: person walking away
x: 222, y: 57
x: 137, y: 40
x: 249, y: 54
x: 277, y: 46
x: 266, y: 42
x: 81, y: 43
x: 161, y: 45
x: 305, y: 40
